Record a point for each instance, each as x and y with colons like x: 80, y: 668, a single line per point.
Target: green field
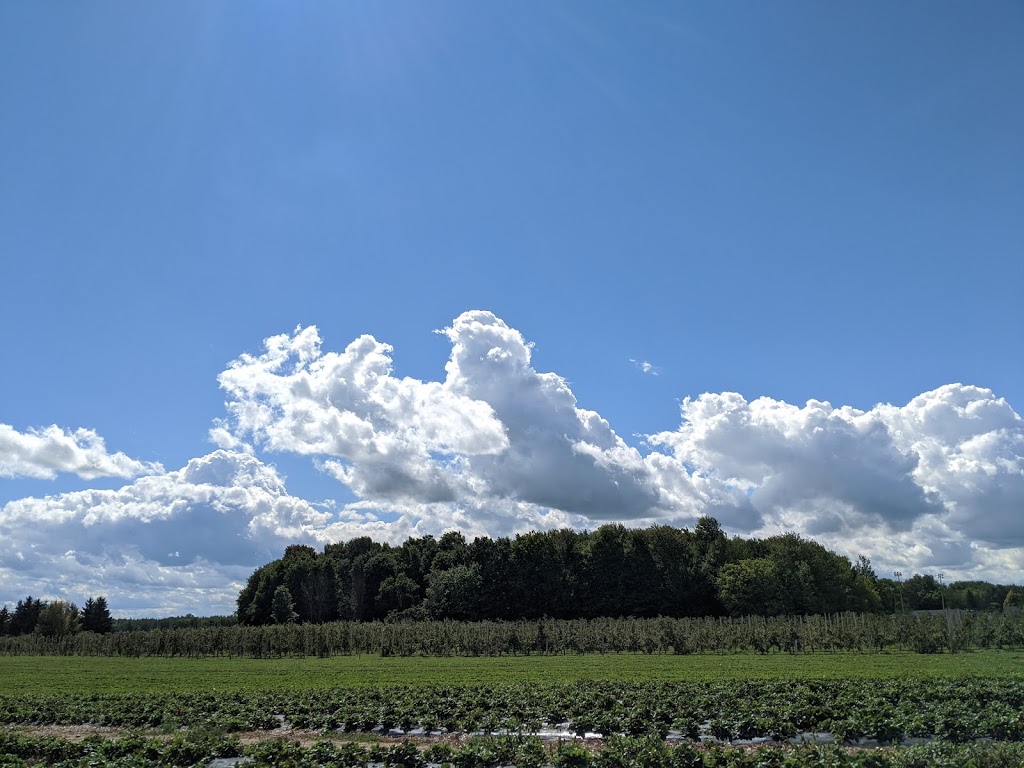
x: 100, y: 675
x: 637, y: 700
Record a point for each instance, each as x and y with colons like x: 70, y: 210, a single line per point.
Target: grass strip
x: 104, y: 675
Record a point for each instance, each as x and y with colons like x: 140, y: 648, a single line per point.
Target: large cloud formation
x: 42, y: 453
x: 941, y: 478
x: 499, y: 447
x: 495, y: 431
x: 938, y: 482
x: 175, y: 542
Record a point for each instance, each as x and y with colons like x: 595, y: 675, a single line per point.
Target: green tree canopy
x: 566, y: 574
x: 58, y: 619
x: 453, y: 593
x: 1014, y: 600
x: 750, y: 587
x: 283, y: 608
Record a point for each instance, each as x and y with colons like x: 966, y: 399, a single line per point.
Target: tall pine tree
x: 96, y: 616
x: 26, y: 614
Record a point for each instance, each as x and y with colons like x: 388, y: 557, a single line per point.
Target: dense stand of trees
x: 56, y: 619
x: 566, y: 574
x: 188, y: 621
x: 925, y: 592
x: 32, y: 615
x: 552, y: 575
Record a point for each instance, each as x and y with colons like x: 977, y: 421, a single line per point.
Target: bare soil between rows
x: 307, y: 738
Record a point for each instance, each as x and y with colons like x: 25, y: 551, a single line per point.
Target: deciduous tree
x: 453, y: 593
x: 58, y: 619
x: 283, y: 608
x: 750, y: 587
x: 1014, y: 600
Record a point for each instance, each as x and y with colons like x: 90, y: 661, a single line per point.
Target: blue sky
x: 791, y: 201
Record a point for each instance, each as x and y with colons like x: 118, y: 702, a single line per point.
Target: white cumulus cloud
x: 403, y: 437
x: 186, y: 541
x: 495, y: 433
x: 938, y: 482
x: 164, y: 540
x: 935, y: 483
x: 499, y: 447
x: 43, y: 453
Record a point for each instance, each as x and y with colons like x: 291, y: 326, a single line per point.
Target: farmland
x: 953, y: 709
x: 866, y: 633
x: 102, y: 675
x: 839, y: 690
x: 653, y: 709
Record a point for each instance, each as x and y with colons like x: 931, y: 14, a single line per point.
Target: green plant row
x: 956, y: 710
x: 139, y: 752
x: 953, y: 631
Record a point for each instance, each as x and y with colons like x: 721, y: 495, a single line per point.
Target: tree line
x: 188, y: 621
x: 55, y: 619
x: 613, y: 571
x: 866, y: 633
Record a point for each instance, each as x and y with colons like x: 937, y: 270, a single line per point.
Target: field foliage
x: 950, y: 709
x: 135, y: 751
x: 869, y: 633
x: 667, y: 710
x: 100, y: 675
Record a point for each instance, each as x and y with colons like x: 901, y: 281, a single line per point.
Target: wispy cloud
x: 646, y: 367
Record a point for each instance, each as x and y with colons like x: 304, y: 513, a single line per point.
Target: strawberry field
x: 886, y: 711
x: 614, y: 710
x: 136, y: 751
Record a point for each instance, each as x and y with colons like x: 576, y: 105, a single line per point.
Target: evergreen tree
x: 5, y: 621
x: 26, y: 614
x: 96, y: 616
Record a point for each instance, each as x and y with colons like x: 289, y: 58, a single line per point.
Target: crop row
x: 136, y: 751
x: 954, y: 631
x: 955, y: 710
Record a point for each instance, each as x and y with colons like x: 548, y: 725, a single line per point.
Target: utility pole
x: 899, y: 589
x: 946, y: 616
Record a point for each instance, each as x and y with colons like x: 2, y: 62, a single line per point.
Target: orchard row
x: 949, y: 631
